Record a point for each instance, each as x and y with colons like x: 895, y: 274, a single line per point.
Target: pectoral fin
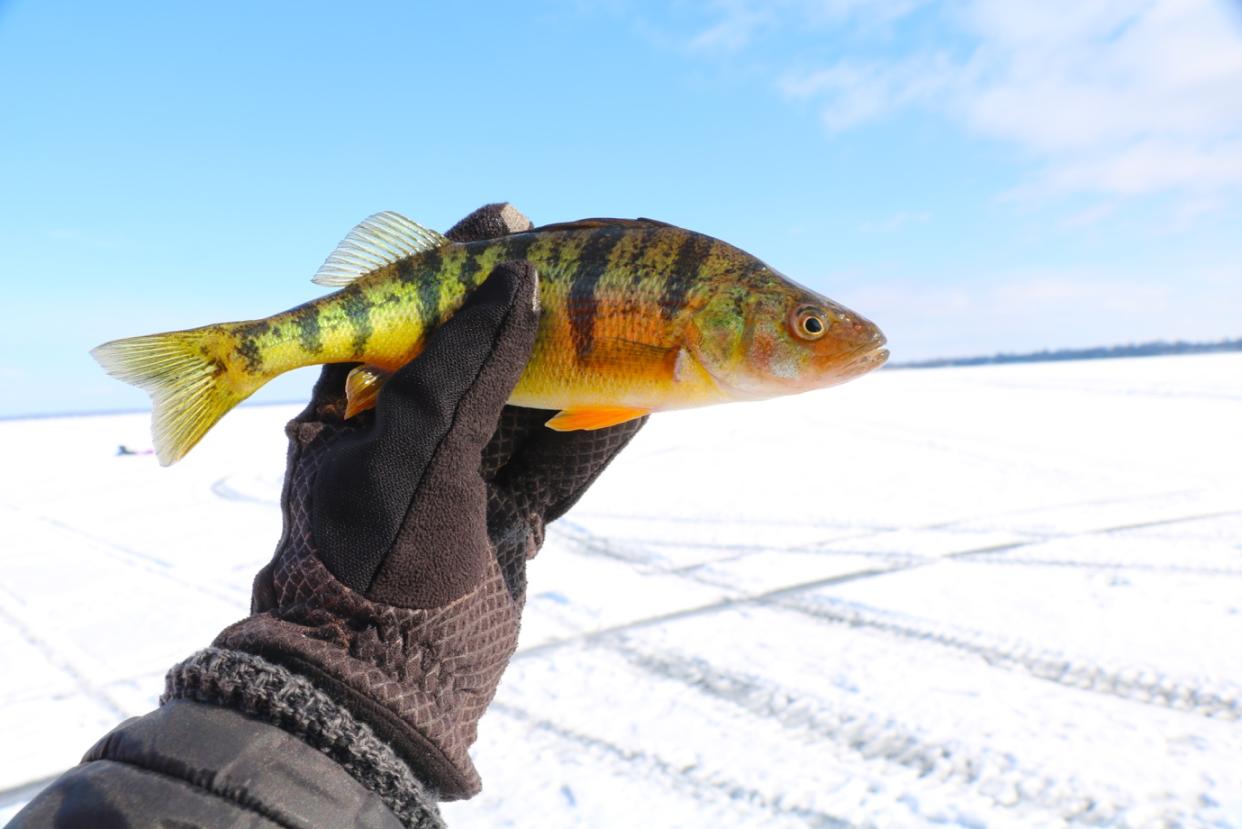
x: 362, y: 388
x: 597, y: 417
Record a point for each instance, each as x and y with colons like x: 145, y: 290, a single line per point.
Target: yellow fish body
x: 636, y: 316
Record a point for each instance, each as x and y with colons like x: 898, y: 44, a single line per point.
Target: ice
x: 1001, y: 596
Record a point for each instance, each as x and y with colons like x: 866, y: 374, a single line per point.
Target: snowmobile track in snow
x: 997, y: 776
x: 1114, y: 564
x: 690, y: 780
x: 1195, y: 696
x: 1200, y: 696
x: 12, y: 615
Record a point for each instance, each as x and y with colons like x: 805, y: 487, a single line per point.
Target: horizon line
x: 1102, y: 352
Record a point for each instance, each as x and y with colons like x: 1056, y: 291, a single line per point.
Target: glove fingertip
x: 488, y: 222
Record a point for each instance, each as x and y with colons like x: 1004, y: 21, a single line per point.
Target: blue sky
x: 975, y: 176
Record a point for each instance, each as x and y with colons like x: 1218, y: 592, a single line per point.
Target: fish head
x: 764, y: 335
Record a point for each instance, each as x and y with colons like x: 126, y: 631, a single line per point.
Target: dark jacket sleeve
x: 188, y: 764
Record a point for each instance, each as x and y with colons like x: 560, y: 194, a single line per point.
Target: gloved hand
x: 398, y: 583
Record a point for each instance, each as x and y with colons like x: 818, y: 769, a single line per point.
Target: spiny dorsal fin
x: 589, y: 224
x: 377, y: 241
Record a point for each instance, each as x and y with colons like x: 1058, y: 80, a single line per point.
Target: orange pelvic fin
x: 362, y: 388
x: 596, y: 417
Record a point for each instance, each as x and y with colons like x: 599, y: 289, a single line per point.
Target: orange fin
x: 362, y: 388
x: 596, y: 417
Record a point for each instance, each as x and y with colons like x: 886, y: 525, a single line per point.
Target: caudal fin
x: 191, y: 388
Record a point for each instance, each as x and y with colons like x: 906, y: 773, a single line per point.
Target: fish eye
x: 809, y: 323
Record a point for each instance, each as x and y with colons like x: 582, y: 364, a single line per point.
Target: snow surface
x: 980, y: 597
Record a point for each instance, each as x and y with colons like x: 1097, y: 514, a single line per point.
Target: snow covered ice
x: 984, y: 597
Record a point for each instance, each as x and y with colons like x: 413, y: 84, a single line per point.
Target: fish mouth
x: 842, y: 367
x: 871, y: 354
x: 865, y: 359
x: 874, y: 358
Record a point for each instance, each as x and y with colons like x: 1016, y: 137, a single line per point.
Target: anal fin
x: 362, y: 388
x: 593, y: 417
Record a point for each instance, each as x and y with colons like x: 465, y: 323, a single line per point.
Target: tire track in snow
x: 1032, y: 539
x: 128, y: 556
x: 856, y: 530
x: 997, y: 776
x: 639, y: 552
x: 224, y: 488
x: 588, y: 543
x: 60, y: 653
x: 690, y: 612
x: 1199, y: 696
x: 1192, y: 695
x: 689, y: 779
x: 1112, y: 563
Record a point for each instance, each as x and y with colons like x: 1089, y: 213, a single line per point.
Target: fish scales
x: 591, y: 306
x: 636, y: 316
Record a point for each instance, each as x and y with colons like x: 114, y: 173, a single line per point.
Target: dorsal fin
x: 377, y: 241
x: 590, y: 224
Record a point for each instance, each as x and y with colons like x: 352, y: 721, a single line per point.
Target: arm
x: 381, y: 627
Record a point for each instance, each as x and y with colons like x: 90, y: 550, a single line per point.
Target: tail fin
x: 189, y: 380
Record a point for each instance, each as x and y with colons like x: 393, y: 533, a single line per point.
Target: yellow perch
x: 636, y: 316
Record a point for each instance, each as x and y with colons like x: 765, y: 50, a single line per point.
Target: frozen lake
x: 984, y: 597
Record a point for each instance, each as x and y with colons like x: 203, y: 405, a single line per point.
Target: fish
x: 636, y: 316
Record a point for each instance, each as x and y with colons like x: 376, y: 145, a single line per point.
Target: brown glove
x: 398, y: 584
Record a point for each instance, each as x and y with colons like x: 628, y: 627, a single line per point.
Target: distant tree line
x: 1150, y: 349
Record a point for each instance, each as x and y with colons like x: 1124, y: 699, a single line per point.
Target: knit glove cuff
x: 269, y: 692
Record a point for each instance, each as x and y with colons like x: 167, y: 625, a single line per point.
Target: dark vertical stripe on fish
x: 554, y: 259
x: 685, y: 269
x: 583, y: 304
x: 406, y: 272
x: 253, y: 330
x: 634, y: 265
x: 468, y: 276
x: 306, y: 320
x: 252, y: 356
x: 430, y: 264
x: 517, y: 245
x: 358, y: 311
x: 249, y: 348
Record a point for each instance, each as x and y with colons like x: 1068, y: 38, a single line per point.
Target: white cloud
x: 858, y: 92
x: 1114, y: 98
x: 1143, y: 166
x: 1103, y: 97
x: 738, y: 22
